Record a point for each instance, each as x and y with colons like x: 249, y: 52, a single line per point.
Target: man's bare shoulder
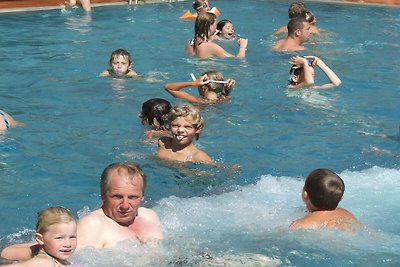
x: 148, y: 214
x: 94, y: 218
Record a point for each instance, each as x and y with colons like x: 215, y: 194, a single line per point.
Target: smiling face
x: 228, y: 31
x: 183, y: 130
x: 122, y: 199
x: 59, y: 240
x: 120, y: 65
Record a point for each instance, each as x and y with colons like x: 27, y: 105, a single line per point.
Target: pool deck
x: 24, y: 5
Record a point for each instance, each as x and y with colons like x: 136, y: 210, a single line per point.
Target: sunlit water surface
x: 77, y: 123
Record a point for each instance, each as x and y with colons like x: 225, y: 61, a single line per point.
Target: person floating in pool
x: 153, y: 114
x: 203, y: 46
x: 298, y: 9
x: 185, y: 123
x: 120, y: 63
x: 85, y: 4
x: 322, y: 192
x: 298, y: 33
x: 6, y: 121
x: 212, y: 87
x: 380, y: 151
x: 302, y: 73
x: 55, y: 241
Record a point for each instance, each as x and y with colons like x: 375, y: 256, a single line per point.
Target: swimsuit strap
x: 5, y: 119
x: 43, y: 252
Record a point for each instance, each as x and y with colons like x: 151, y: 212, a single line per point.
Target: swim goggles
x: 211, y: 81
x: 204, y: 6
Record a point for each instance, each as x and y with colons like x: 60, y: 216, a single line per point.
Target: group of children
x: 176, y: 127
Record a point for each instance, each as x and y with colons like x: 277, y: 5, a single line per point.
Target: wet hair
x: 50, y: 216
x: 155, y: 108
x: 202, y: 25
x: 187, y: 110
x: 120, y: 52
x: 221, y: 24
x: 128, y: 169
x: 294, y: 71
x: 295, y: 9
x: 198, y: 4
x: 325, y: 189
x: 216, y: 76
x: 295, y: 24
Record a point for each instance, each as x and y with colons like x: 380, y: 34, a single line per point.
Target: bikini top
x: 4, y: 119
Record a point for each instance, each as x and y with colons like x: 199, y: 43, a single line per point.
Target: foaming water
x: 249, y: 226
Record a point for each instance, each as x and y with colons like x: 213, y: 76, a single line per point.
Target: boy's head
x: 153, y: 112
x: 295, y: 9
x: 324, y: 189
x: 201, y: 5
x: 120, y: 52
x: 189, y: 111
x: 52, y: 215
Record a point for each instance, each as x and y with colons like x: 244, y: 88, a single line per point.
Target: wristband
x: 316, y: 59
x: 243, y: 47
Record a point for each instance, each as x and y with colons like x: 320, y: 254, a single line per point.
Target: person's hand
x: 228, y: 87
x: 298, y: 61
x: 243, y: 42
x: 202, y: 80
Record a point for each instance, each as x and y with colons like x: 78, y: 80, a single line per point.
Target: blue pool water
x: 77, y: 123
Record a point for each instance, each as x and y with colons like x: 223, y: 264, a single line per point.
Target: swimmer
x: 55, y: 241
x: 120, y: 63
x: 322, y: 192
x: 212, y: 87
x: 202, y: 44
x: 302, y: 73
x: 298, y: 33
x: 85, y: 4
x: 6, y: 121
x: 153, y: 113
x: 199, y: 6
x: 382, y: 135
x: 185, y: 124
x: 225, y: 30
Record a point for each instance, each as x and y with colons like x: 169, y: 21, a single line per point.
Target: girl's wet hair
x: 120, y: 52
x: 155, y: 108
x: 187, y: 110
x: 203, y: 24
x: 199, y: 3
x: 52, y: 215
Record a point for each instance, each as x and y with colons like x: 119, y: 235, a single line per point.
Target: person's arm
x: 189, y: 47
x: 221, y: 53
x: 23, y: 251
x: 302, y: 62
x: 34, y: 262
x: 176, y: 87
x: 335, y: 81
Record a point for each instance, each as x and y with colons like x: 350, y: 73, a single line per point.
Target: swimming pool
x: 77, y: 123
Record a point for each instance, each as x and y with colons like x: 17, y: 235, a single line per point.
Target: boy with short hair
x: 322, y: 192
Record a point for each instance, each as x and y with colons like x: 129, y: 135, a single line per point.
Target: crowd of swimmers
x: 175, y: 128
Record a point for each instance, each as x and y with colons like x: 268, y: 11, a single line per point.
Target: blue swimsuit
x: 4, y: 119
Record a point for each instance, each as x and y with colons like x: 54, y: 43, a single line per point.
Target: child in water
x: 211, y: 85
x: 55, y: 241
x: 302, y: 73
x: 225, y: 30
x: 185, y: 124
x: 322, y: 192
x: 120, y: 63
x: 153, y: 113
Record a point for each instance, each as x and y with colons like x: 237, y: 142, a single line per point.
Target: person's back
x: 322, y: 192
